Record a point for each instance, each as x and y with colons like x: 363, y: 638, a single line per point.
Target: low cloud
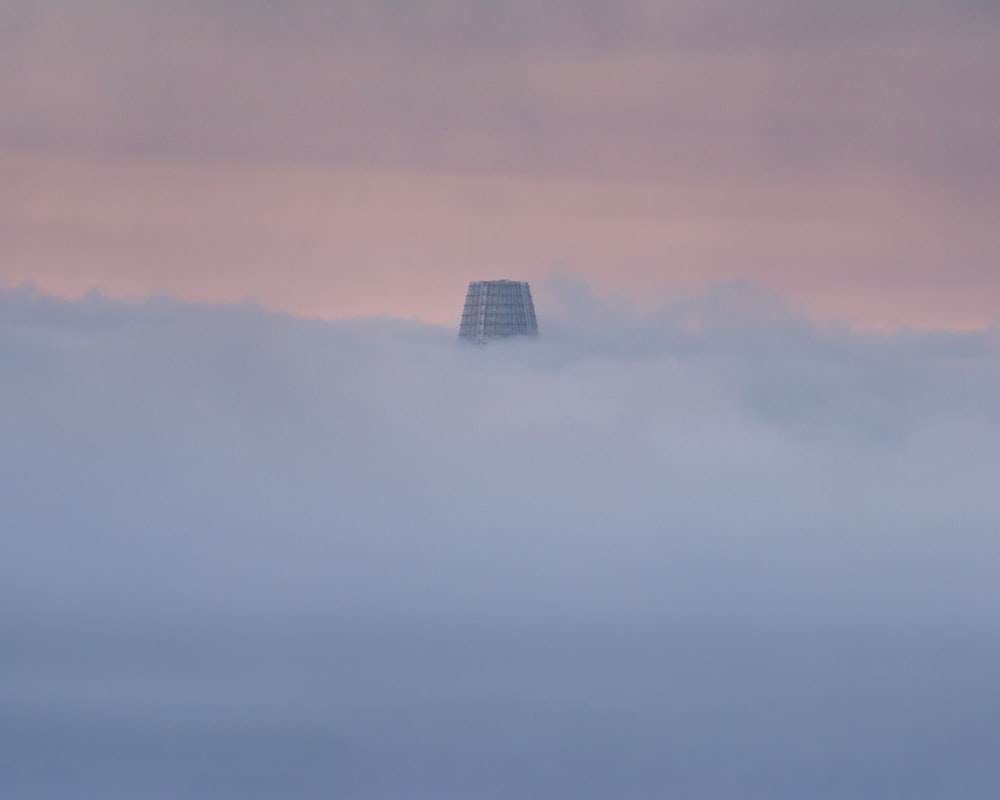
x: 706, y: 551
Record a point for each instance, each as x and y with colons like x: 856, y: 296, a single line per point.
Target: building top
x: 497, y: 309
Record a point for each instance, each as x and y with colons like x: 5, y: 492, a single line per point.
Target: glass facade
x: 495, y: 309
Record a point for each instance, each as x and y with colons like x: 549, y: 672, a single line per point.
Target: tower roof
x: 497, y: 309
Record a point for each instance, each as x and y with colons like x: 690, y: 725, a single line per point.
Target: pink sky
x: 336, y: 159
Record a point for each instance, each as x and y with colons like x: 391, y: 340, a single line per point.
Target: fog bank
x: 709, y: 551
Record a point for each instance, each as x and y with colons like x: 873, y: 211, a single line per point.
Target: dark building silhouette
x: 496, y: 309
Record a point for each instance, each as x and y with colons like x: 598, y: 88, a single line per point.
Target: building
x: 497, y: 309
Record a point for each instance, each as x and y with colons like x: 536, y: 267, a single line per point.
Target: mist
x: 709, y: 550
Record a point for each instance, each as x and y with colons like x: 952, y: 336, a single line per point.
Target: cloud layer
x: 705, y: 551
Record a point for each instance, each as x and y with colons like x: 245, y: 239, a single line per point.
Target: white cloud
x: 707, y: 551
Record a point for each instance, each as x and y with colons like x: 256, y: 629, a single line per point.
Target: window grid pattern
x: 496, y: 309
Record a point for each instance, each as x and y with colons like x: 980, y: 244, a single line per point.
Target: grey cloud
x: 706, y: 551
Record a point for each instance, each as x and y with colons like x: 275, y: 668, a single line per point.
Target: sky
x: 335, y: 159
x: 250, y: 555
